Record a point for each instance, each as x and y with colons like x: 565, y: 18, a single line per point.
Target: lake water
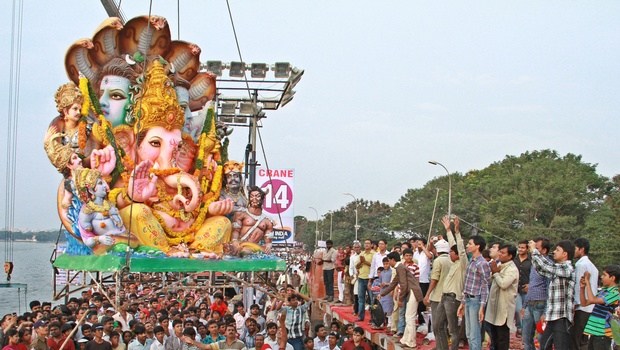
x: 32, y: 267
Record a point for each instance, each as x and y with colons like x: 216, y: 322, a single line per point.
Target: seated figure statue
x: 233, y: 188
x: 99, y: 220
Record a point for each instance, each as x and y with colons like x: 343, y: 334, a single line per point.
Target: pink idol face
x: 160, y: 146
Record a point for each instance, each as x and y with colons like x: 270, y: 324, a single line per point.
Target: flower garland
x: 91, y: 207
x: 165, y: 172
x: 216, y: 184
x: 82, y: 133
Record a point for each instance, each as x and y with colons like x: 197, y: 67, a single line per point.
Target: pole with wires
x: 430, y: 229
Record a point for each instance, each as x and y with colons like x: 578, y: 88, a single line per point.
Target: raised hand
x: 142, y: 184
x: 103, y: 160
x: 446, y: 222
x: 531, y: 245
x: 222, y: 207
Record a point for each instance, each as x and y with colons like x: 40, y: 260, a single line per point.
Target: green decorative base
x: 112, y: 263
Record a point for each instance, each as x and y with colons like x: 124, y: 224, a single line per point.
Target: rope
x: 178, y: 19
x: 232, y: 23
x: 133, y: 184
x: 13, y: 112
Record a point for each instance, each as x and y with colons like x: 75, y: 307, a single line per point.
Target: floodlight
x: 240, y: 120
x: 237, y: 69
x: 296, y: 74
x: 259, y: 70
x: 228, y: 108
x: 270, y: 105
x: 247, y: 108
x: 288, y: 96
x: 229, y: 120
x: 281, y: 69
x: 215, y: 67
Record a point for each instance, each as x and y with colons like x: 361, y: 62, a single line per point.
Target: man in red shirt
x: 219, y: 304
x: 56, y: 338
x: 356, y: 340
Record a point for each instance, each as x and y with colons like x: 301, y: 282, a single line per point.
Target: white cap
x: 442, y: 246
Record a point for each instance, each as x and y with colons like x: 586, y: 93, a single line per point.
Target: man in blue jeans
x: 475, y: 292
x: 536, y: 298
x: 363, y: 283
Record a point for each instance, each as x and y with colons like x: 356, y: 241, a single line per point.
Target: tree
x: 538, y: 193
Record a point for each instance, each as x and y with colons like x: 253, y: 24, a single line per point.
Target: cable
x: 133, y: 184
x: 232, y: 23
x: 178, y: 19
x: 13, y: 112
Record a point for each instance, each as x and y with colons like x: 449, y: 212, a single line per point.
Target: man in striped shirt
x: 475, y: 292
x: 295, y: 315
x: 560, y: 305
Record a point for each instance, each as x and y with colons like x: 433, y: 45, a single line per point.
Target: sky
x: 388, y: 86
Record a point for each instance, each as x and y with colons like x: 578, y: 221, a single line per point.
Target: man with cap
x: 39, y: 341
x: 441, y: 267
x: 98, y: 343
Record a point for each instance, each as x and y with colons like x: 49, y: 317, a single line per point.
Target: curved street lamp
x: 434, y: 162
x: 316, y: 227
x: 357, y: 227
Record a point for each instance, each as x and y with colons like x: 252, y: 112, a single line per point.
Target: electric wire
x: 255, y: 121
x: 13, y: 112
x: 133, y: 183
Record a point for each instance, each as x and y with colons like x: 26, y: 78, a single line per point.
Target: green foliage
x: 538, y: 193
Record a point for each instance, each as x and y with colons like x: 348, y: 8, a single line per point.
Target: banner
x: 279, y: 200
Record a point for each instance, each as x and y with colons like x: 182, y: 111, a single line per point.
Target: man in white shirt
x: 353, y: 261
x: 320, y: 341
x: 377, y: 259
x: 158, y: 343
x: 240, y: 317
x: 579, y: 341
x: 423, y: 256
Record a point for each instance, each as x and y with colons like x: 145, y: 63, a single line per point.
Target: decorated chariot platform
x: 113, y: 263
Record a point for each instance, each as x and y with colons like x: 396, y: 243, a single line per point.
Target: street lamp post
x: 449, y: 185
x: 357, y: 227
x: 316, y: 227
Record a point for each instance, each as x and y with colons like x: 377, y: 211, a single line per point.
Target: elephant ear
x: 125, y: 139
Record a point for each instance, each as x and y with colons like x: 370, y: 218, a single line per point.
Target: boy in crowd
x: 598, y: 325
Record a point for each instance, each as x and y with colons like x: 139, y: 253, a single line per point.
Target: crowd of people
x: 456, y: 291
x: 452, y: 290
x: 187, y: 317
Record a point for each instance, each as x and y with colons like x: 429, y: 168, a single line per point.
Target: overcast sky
x: 388, y: 85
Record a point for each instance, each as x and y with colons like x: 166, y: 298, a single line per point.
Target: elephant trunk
x: 188, y: 181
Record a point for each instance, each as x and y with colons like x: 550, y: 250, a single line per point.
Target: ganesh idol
x: 163, y: 202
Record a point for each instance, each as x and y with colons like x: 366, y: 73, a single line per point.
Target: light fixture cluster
x: 267, y: 93
x: 281, y: 70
